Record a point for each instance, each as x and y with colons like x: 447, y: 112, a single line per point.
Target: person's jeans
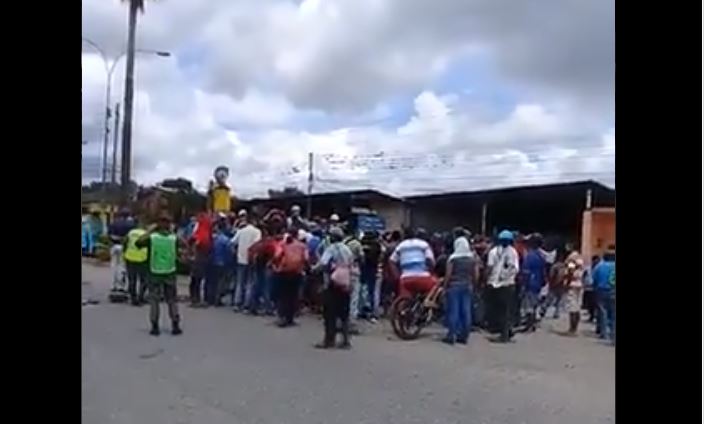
x: 606, y: 304
x: 260, y: 294
x: 199, y: 270
x: 368, y: 280
x: 459, y: 312
x: 529, y: 307
x: 137, y: 274
x: 554, y: 299
x: 354, y: 295
x: 242, y: 285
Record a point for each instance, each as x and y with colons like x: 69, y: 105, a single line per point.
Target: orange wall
x: 598, y: 231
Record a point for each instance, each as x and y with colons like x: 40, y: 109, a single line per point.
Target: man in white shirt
x: 296, y: 220
x: 245, y: 237
x: 503, y: 265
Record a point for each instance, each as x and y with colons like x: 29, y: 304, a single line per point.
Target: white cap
x: 295, y: 208
x: 334, y: 217
x: 242, y: 213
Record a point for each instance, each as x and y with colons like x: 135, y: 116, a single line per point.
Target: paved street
x: 232, y: 369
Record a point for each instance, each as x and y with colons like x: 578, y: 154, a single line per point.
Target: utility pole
x: 309, y: 209
x: 106, y: 139
x: 126, y: 168
x: 115, y: 142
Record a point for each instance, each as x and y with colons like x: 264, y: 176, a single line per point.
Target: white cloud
x: 254, y: 109
x: 256, y: 85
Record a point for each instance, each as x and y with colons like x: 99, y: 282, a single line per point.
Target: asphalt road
x: 233, y: 369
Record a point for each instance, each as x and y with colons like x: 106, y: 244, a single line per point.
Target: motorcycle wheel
x: 403, y: 319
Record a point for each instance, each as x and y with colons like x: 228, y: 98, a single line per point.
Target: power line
x: 475, y: 177
x: 498, y: 150
x: 404, y: 167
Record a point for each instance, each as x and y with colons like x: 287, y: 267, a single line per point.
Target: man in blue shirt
x: 605, y: 294
x: 316, y: 237
x: 534, y: 279
x: 220, y: 262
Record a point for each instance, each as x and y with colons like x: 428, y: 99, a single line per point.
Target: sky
x: 402, y: 96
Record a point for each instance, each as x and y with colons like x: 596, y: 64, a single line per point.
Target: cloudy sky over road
x: 404, y: 96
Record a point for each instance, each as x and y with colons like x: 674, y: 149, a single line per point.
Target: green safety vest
x: 162, y: 258
x: 134, y: 253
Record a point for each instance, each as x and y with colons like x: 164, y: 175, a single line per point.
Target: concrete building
x: 582, y: 213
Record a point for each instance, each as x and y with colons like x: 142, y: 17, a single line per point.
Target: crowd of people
x: 283, y: 265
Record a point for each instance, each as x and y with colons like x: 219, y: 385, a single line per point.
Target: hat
x: 242, y: 213
x: 506, y: 235
x: 334, y: 217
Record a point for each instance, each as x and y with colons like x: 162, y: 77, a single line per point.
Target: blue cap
x: 506, y: 235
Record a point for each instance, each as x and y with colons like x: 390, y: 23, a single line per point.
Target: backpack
x: 293, y: 258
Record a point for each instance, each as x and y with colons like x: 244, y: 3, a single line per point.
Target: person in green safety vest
x: 162, y: 245
x: 136, y: 264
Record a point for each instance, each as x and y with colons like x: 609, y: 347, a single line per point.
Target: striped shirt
x: 411, y: 255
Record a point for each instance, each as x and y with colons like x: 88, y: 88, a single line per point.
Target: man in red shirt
x: 200, y: 243
x: 260, y: 255
x: 288, y: 264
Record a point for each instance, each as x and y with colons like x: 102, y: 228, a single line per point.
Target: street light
x: 109, y: 69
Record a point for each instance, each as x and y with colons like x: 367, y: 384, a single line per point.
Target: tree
x: 175, y: 196
x: 180, y: 184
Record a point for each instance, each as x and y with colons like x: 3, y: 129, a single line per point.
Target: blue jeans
x: 368, y: 281
x: 242, y: 285
x: 459, y: 312
x: 554, y: 299
x: 260, y: 295
x: 606, y: 308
